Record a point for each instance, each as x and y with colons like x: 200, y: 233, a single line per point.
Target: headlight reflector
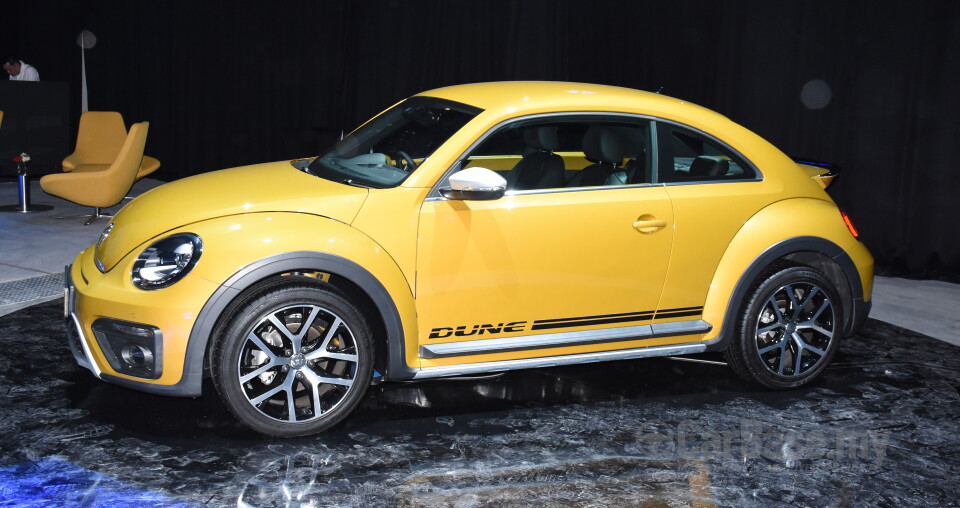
x: 166, y: 261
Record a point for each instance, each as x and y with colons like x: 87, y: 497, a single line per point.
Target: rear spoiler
x: 823, y: 173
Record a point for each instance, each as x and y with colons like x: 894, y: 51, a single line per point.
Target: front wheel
x: 294, y: 361
x: 788, y: 329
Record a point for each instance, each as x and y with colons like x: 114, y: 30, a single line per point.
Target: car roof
x: 519, y: 96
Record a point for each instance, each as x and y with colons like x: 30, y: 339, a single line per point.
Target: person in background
x: 19, y: 70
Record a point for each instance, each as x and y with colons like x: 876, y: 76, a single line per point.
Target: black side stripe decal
x: 546, y: 324
x: 627, y: 317
x: 684, y: 312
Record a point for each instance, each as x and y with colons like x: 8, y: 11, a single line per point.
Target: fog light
x: 136, y: 356
x: 133, y: 349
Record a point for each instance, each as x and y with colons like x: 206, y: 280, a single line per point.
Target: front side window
x: 688, y: 156
x: 567, y: 152
x: 386, y: 150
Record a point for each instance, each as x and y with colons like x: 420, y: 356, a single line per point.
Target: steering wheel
x: 408, y: 163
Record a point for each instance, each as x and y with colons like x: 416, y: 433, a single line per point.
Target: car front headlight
x: 166, y: 261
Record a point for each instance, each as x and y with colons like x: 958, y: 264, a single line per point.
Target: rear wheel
x: 788, y: 329
x: 294, y: 361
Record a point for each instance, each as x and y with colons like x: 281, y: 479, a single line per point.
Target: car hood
x: 271, y: 187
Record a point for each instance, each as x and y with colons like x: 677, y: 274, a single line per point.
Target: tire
x: 788, y: 329
x: 294, y: 361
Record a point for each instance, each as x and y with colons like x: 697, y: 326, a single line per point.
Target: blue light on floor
x: 55, y: 482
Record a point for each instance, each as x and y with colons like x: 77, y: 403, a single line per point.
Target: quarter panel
x: 708, y: 217
x: 783, y: 221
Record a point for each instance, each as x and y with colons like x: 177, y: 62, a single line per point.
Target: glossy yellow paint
x: 783, y: 220
x: 539, y: 256
x: 823, y: 177
x: 231, y: 243
x: 398, y: 235
x: 173, y: 310
x: 268, y: 187
x: 708, y: 218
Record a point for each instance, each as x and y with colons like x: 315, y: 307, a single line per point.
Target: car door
x: 542, y: 263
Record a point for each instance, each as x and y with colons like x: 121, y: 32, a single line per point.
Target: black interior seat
x: 635, y: 169
x: 604, y: 146
x: 539, y: 168
x: 707, y: 167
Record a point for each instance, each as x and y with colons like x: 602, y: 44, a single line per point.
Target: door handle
x: 647, y: 224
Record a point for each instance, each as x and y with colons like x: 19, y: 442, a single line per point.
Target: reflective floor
x: 880, y: 428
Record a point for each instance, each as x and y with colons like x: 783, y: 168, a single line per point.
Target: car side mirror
x: 478, y: 184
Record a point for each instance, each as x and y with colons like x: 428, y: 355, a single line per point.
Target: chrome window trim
x: 559, y: 190
x: 563, y: 339
x: 711, y: 182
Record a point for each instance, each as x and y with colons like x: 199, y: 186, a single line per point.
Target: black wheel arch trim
x: 855, y: 309
x: 191, y: 382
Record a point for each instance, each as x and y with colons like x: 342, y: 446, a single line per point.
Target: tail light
x: 850, y: 226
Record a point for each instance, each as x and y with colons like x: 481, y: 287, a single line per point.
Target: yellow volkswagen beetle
x: 473, y: 229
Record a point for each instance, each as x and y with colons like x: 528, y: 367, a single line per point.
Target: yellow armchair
x: 107, y: 185
x: 99, y: 139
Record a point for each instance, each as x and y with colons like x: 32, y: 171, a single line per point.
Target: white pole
x: 83, y: 80
x: 85, y: 40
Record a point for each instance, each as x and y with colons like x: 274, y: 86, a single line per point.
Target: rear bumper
x: 861, y: 310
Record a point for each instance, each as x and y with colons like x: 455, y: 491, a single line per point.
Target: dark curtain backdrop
x: 226, y: 83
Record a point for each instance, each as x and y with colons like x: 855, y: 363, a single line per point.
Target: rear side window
x: 689, y: 156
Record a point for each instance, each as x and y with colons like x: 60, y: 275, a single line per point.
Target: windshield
x: 386, y: 150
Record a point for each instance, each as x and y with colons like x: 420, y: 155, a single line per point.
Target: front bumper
x: 75, y: 336
x: 133, y: 338
x: 133, y: 349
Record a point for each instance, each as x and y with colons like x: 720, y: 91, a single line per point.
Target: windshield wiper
x: 354, y: 183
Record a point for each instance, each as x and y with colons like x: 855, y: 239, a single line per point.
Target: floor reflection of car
x: 468, y: 230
